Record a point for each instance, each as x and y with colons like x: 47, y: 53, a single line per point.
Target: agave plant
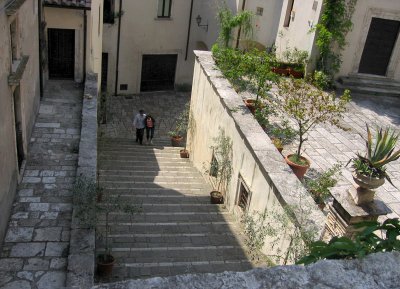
x: 378, y: 154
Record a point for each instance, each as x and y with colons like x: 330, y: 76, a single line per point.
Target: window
x: 14, y: 40
x: 260, y: 11
x: 214, y: 167
x: 244, y: 195
x: 288, y: 15
x: 164, y: 8
x: 108, y: 11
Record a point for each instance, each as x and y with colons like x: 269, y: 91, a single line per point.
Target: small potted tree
x: 220, y: 169
x: 308, y: 106
x: 181, y: 126
x: 370, y: 170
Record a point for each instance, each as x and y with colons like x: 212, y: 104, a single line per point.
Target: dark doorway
x: 104, y: 71
x: 381, y: 38
x: 18, y: 127
x: 61, y: 53
x: 158, y: 72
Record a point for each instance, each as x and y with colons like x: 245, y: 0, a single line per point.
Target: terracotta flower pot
x: 184, y: 154
x: 105, y: 264
x: 365, y: 192
x: 177, y: 141
x: 251, y: 104
x: 299, y: 170
x: 216, y: 197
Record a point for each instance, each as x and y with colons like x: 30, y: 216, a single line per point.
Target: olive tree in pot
x: 308, y: 106
x: 220, y: 167
x: 94, y: 214
x: 181, y: 126
x: 370, y: 170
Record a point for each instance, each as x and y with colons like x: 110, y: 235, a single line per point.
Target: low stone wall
x: 216, y: 106
x: 81, y: 259
x: 377, y: 271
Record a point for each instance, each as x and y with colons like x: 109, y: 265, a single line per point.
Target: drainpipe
x: 84, y: 44
x: 118, y: 43
x: 40, y: 48
x: 188, y: 34
x: 240, y: 28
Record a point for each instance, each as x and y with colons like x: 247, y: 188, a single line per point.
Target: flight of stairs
x: 178, y: 230
x: 369, y: 85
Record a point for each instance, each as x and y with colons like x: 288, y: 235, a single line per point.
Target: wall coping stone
x: 81, y: 259
x: 375, y: 271
x: 287, y: 187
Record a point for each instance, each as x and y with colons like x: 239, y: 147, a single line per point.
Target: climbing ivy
x: 331, y: 33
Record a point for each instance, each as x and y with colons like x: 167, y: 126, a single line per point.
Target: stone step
x: 188, y: 178
x: 140, y: 191
x: 153, y: 185
x: 178, y: 254
x: 145, y: 270
x: 160, y: 199
x: 148, y: 173
x: 171, y: 227
x: 154, y: 217
x: 174, y: 207
x: 369, y: 86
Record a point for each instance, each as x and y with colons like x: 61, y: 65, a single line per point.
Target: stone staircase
x: 369, y: 85
x: 178, y: 230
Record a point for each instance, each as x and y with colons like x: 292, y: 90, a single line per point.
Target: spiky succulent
x: 379, y: 153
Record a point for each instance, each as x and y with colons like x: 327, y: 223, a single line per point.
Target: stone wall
x: 216, y: 106
x: 82, y: 243
x: 375, y: 271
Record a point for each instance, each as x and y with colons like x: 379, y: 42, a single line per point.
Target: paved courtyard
x: 328, y: 145
x: 35, y: 249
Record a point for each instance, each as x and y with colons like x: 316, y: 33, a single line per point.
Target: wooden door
x: 381, y: 38
x: 61, y: 53
x: 158, y: 72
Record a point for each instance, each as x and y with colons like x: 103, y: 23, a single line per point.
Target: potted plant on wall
x: 370, y: 170
x: 181, y: 126
x: 220, y: 169
x: 308, y: 106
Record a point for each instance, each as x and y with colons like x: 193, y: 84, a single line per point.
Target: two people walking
x: 142, y: 122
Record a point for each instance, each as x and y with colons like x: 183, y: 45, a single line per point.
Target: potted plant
x: 220, y: 169
x: 90, y: 212
x: 319, y: 186
x: 308, y: 106
x: 370, y: 170
x: 181, y: 125
x: 278, y: 144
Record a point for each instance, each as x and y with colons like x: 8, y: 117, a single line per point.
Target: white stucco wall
x: 365, y: 10
x: 29, y: 97
x: 216, y: 106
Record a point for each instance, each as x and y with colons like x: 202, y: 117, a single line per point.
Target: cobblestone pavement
x: 328, y: 145
x: 164, y: 107
x: 35, y: 249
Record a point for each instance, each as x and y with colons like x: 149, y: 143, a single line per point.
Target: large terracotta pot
x: 216, y: 197
x: 299, y: 170
x: 365, y: 192
x: 184, y: 154
x: 105, y: 264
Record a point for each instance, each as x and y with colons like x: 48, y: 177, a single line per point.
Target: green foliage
x: 366, y: 242
x: 282, y: 131
x: 309, y: 106
x: 319, y: 187
x: 228, y: 22
x: 181, y: 123
x: 90, y: 212
x: 221, y: 166
x: 321, y: 80
x: 379, y: 153
x: 332, y: 29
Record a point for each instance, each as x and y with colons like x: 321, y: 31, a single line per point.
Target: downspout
x: 40, y: 48
x: 240, y: 28
x: 188, y: 34
x: 118, y: 44
x: 84, y: 44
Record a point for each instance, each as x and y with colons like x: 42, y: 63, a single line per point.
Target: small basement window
x: 244, y: 195
x: 164, y: 8
x: 259, y: 11
x: 214, y: 167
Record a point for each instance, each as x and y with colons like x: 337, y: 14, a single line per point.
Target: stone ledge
x: 376, y: 271
x: 286, y: 185
x: 81, y: 259
x: 12, y: 8
x: 15, y: 77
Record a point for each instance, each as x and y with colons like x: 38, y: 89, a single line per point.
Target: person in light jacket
x: 138, y: 123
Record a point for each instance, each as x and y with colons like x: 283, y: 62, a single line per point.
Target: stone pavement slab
x: 35, y: 249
